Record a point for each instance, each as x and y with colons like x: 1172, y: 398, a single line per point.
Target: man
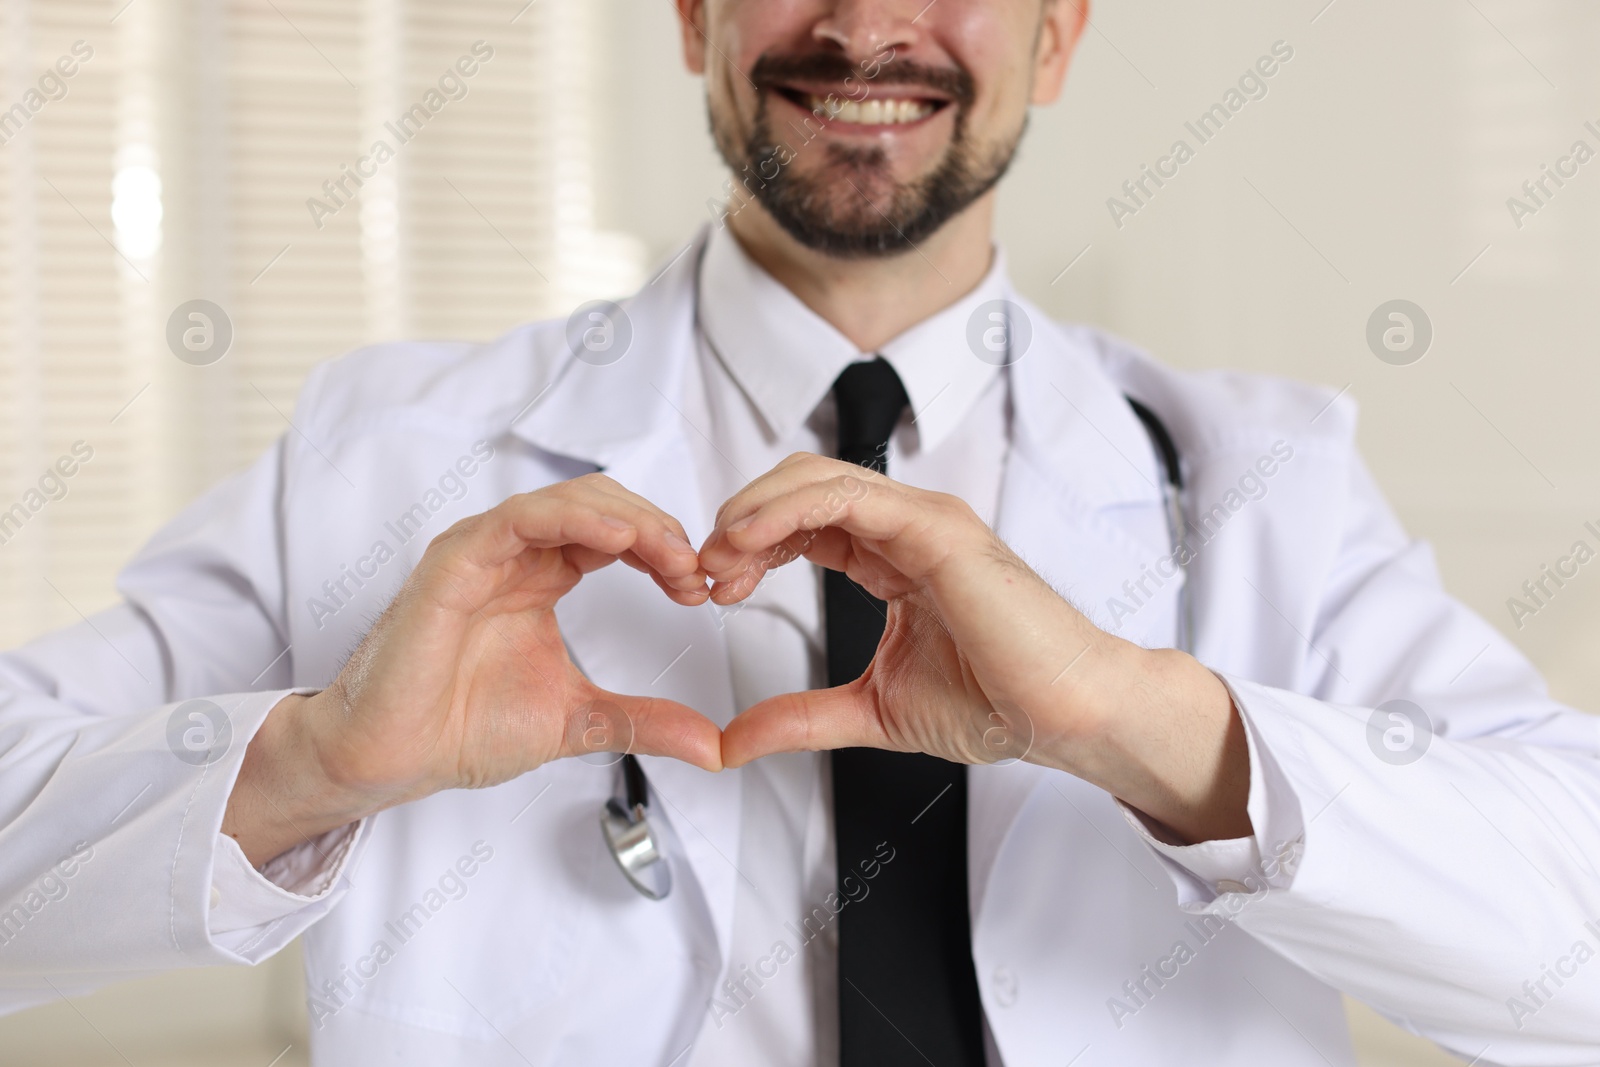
x: 944, y: 793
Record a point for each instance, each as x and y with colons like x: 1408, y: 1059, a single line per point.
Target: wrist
x: 283, y: 795
x: 1086, y: 713
x: 1159, y: 731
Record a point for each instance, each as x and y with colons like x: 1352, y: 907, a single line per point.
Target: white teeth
x: 872, y: 111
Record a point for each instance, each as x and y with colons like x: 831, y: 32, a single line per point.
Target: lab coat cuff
x: 1238, y: 868
x: 246, y: 898
x: 251, y: 914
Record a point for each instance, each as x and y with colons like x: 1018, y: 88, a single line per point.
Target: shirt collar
x: 785, y: 356
x: 1071, y: 418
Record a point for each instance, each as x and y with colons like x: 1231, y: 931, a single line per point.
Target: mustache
x: 773, y: 72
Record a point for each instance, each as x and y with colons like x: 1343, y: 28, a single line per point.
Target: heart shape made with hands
x: 465, y: 680
x: 924, y: 691
x: 972, y: 636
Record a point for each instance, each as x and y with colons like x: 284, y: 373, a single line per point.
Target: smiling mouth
x: 873, y: 111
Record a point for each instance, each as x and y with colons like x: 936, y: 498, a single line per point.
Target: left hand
x: 981, y: 660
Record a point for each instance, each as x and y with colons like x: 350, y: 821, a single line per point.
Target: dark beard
x: 804, y: 207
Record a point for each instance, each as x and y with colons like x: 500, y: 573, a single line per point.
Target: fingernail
x: 674, y: 541
x: 616, y: 523
x: 742, y: 524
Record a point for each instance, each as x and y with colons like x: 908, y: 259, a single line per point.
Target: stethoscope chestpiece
x: 632, y: 842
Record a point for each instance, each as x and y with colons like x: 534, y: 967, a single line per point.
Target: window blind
x: 229, y: 152
x: 63, y: 374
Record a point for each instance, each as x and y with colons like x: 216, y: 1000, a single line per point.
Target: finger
x: 827, y: 548
x: 690, y: 590
x: 586, y: 560
x: 689, y: 598
x: 650, y: 726
x: 793, y: 473
x: 472, y: 556
x: 610, y: 486
x: 693, y: 581
x: 662, y: 544
x: 795, y: 469
x: 593, y: 514
x: 879, y: 515
x: 814, y: 721
x: 815, y: 504
x: 667, y: 728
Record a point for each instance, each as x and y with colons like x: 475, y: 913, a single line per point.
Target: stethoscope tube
x: 1172, y: 498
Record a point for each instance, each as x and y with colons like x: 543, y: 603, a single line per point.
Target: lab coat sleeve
x: 120, y: 739
x: 1439, y: 860
x: 252, y: 908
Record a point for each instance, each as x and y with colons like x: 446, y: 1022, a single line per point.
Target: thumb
x: 814, y: 721
x: 649, y: 726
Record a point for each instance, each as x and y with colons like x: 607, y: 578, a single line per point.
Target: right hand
x: 464, y: 680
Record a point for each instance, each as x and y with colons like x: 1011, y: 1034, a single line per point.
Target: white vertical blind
x: 298, y: 293
x: 210, y: 149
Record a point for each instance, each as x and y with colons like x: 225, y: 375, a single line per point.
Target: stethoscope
x: 633, y: 842
x: 1172, y: 498
x: 636, y: 845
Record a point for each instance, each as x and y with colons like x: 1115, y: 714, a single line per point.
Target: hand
x: 465, y: 681
x: 981, y: 660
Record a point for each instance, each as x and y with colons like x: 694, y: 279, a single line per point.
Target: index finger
x: 832, y: 485
x: 594, y: 520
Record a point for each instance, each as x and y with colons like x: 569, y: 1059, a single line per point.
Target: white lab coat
x: 1431, y: 890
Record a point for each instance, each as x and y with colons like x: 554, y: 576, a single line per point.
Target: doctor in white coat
x: 371, y: 691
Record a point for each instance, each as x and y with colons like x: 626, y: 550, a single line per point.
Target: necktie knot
x: 870, y: 399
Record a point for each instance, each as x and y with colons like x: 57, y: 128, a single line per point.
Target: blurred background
x: 178, y: 161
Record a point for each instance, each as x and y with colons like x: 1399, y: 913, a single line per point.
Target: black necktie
x: 908, y: 993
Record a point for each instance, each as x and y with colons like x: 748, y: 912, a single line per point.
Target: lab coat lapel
x: 1078, y: 455
x: 621, y: 631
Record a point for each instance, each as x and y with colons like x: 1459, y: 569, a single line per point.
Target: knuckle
x: 848, y: 488
x: 729, y: 506
x: 524, y: 503
x: 459, y: 528
x: 955, y: 506
x: 594, y: 480
x: 454, y: 533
